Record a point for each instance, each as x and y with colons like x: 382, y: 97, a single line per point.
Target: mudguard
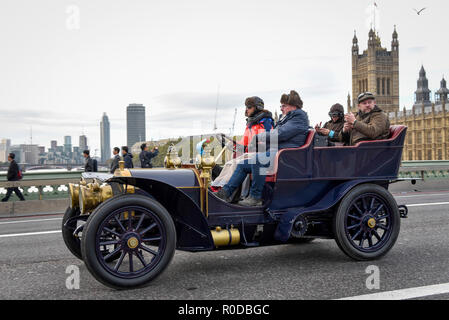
x: 289, y: 216
x: 192, y: 229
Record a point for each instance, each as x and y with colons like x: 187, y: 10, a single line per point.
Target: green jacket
x: 369, y: 126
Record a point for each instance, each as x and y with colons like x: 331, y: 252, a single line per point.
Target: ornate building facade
x: 427, y: 122
x: 376, y: 70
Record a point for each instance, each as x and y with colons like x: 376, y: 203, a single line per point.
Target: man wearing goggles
x: 332, y: 128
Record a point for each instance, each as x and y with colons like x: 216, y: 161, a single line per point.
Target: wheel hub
x: 131, y: 241
x: 372, y: 223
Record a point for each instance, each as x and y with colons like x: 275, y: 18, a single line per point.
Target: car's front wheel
x: 139, y: 230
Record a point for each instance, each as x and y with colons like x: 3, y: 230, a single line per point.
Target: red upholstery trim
x: 395, y: 131
x: 309, y: 140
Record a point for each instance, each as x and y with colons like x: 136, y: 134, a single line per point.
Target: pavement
x: 34, y: 261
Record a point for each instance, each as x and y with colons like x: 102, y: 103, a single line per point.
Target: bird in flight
x: 419, y: 12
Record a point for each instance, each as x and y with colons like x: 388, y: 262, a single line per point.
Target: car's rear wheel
x: 367, y: 222
x: 139, y: 231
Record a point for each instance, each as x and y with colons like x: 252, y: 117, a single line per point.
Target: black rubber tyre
x: 72, y: 243
x: 364, y: 212
x: 96, y: 225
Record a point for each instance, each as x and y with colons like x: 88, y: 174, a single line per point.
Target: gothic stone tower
x: 377, y: 71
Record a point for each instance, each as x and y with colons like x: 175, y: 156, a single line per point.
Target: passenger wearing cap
x: 290, y: 132
x: 333, y: 127
x: 258, y: 120
x: 369, y: 123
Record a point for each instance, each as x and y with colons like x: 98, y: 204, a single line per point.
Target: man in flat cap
x: 370, y: 123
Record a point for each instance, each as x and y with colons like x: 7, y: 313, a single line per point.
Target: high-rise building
x: 53, y: 144
x: 67, y: 144
x: 5, y: 144
x: 135, y: 124
x: 30, y: 153
x: 83, y: 143
x: 376, y: 70
x: 105, y: 135
x: 18, y: 152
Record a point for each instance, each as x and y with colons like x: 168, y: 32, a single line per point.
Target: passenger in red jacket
x: 258, y: 121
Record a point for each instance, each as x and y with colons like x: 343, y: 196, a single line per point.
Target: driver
x: 291, y: 132
x: 258, y: 121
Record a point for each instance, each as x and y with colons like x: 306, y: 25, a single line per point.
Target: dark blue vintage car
x: 126, y: 227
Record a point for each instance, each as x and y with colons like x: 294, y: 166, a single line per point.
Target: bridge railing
x: 429, y: 169
x: 54, y: 184
x: 41, y: 185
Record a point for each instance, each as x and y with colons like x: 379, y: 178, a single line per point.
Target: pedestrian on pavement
x: 127, y: 157
x: 88, y: 165
x: 115, y: 160
x: 145, y: 156
x: 13, y: 174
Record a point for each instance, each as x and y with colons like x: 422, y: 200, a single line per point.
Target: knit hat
x: 292, y: 99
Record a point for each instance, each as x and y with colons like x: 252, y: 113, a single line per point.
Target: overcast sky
x: 64, y: 63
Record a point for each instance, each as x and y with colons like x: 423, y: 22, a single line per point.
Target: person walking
x: 13, y: 175
x: 127, y: 157
x: 88, y: 165
x: 115, y: 160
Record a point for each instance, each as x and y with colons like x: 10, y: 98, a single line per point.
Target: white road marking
x: 28, y: 221
x: 427, y: 204
x: 403, y: 294
x: 28, y: 234
x: 423, y: 195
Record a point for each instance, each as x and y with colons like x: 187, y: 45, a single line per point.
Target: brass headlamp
x: 205, y: 163
x: 172, y: 160
x: 92, y: 195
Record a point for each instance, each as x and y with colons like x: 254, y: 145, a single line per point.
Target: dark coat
x: 291, y: 130
x: 369, y: 126
x: 128, y: 158
x: 145, y: 158
x: 115, y: 163
x: 337, y: 127
x: 13, y: 171
x: 89, y: 165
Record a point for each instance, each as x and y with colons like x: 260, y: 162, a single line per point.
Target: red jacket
x: 264, y: 122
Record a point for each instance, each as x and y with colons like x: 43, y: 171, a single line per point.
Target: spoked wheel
x: 367, y: 222
x: 137, y: 230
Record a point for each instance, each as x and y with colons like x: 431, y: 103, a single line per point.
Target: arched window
x: 383, y: 86
x: 378, y: 85
x: 388, y: 86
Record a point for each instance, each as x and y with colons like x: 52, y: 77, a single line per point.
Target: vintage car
x: 127, y: 226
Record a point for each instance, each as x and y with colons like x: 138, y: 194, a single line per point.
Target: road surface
x: 34, y: 259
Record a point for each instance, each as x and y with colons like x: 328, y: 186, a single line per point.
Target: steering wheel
x: 229, y: 144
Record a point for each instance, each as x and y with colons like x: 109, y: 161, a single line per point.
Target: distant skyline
x: 64, y: 63
x: 105, y: 137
